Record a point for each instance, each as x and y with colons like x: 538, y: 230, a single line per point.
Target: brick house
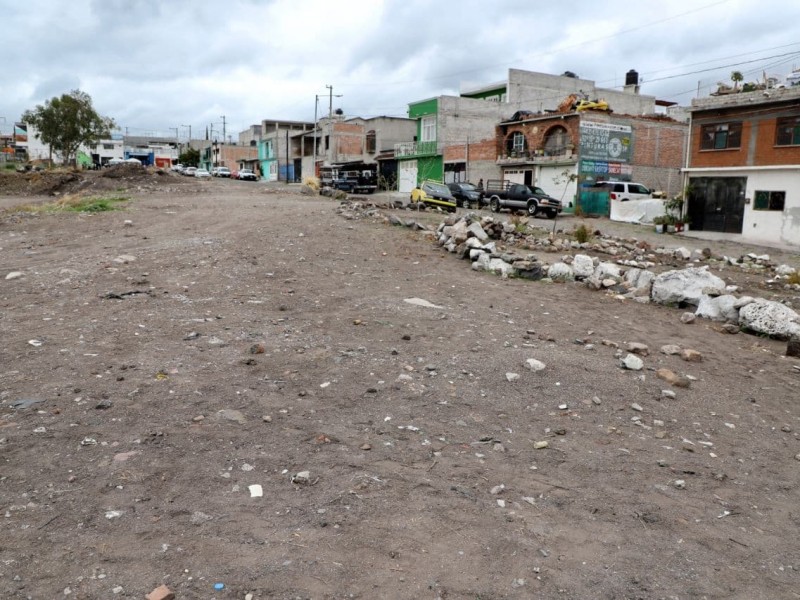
x: 743, y: 172
x: 567, y: 152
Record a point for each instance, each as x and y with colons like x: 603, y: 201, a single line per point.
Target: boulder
x: 686, y: 286
x: 560, y: 272
x: 770, y: 318
x: 477, y: 231
x: 718, y: 308
x: 582, y: 266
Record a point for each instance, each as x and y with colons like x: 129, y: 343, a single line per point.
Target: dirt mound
x: 126, y: 171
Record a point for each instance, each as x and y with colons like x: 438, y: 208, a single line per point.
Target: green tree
x: 190, y: 157
x: 68, y: 122
x: 736, y: 78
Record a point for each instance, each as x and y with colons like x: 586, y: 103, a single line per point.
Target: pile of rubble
x: 693, y: 287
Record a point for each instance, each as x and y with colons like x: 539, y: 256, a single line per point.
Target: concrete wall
x: 538, y: 92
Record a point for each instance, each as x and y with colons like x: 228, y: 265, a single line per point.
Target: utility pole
x: 330, y: 121
x: 190, y: 134
x: 223, y: 128
x: 316, y: 105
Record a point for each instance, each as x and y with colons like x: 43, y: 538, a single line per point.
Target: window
x: 428, y: 129
x: 769, y: 201
x: 108, y: 146
x: 518, y: 142
x: 635, y: 188
x: 371, y: 142
x: 721, y: 137
x: 788, y: 132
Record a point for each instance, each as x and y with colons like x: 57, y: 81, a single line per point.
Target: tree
x: 68, y: 122
x: 736, y: 77
x: 190, y: 157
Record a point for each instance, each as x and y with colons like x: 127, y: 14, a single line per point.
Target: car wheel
x: 551, y: 214
x: 533, y: 208
x: 494, y: 204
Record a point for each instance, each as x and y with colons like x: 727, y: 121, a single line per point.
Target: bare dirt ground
x: 231, y: 336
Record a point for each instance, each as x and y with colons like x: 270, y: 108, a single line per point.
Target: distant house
x: 743, y: 171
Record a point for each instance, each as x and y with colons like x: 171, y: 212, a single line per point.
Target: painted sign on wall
x: 606, y: 142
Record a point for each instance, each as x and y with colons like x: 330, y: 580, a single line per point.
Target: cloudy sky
x: 157, y: 65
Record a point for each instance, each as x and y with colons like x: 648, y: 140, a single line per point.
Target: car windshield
x: 467, y: 187
x: 437, y: 188
x: 538, y: 190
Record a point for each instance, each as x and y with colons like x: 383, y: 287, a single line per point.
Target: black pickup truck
x: 502, y: 193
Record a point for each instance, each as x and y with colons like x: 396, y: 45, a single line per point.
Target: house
x: 151, y: 150
x: 567, y: 153
x: 341, y: 141
x: 458, y: 139
x: 280, y: 149
x: 743, y: 170
x: 219, y: 154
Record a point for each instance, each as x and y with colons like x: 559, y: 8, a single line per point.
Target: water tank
x: 631, y: 78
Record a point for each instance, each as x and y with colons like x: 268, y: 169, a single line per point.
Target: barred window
x: 721, y: 137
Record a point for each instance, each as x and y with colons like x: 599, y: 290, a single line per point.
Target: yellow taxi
x: 434, y: 193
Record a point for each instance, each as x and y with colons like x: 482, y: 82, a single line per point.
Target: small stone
x: 670, y: 349
x: 597, y: 401
x: 198, y: 518
x: 672, y: 378
x: 512, y: 376
x: 633, y: 363
x: 257, y: 349
x: 637, y: 348
x: 797, y: 456
x: 162, y: 592
x: 104, y: 405
x: 266, y: 419
x: 691, y: 355
x: 366, y: 447
x: 406, y: 337
x: 113, y: 514
x: 14, y: 275
x: 535, y: 365
x: 232, y: 415
x: 688, y: 318
x: 679, y: 484
x: 668, y: 394
x: 356, y: 321
x: 498, y: 489
x: 198, y: 418
x: 541, y: 445
x: 731, y: 328
x: 303, y: 477
x: 636, y: 407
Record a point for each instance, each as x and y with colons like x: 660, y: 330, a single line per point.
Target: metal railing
x: 406, y: 149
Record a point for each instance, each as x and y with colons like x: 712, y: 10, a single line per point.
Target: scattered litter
x: 35, y: 343
x: 25, y: 403
x: 541, y: 445
x: 256, y: 491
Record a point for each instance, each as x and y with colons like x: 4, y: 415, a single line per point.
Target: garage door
x: 407, y: 175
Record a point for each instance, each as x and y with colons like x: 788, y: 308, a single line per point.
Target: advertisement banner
x: 606, y: 142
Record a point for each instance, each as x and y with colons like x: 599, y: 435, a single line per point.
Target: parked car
x: 433, y: 193
x: 625, y: 190
x: 246, y: 175
x: 189, y: 171
x: 466, y: 194
x: 534, y: 200
x: 201, y: 173
x: 221, y: 172
x: 178, y: 168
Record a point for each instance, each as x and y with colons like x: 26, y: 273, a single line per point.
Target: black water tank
x: 631, y: 78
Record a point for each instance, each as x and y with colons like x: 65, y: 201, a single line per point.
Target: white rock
x: 633, y: 362
x: 686, y: 285
x: 582, y: 266
x: 256, y: 491
x: 607, y: 270
x: 782, y: 270
x: 302, y: 477
x: 535, y: 365
x: 718, y: 308
x: 560, y: 272
x: 14, y: 275
x: 477, y: 231
x: 512, y: 376
x: 770, y: 318
x: 683, y: 253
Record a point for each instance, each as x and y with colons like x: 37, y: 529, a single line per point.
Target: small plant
x: 579, y: 211
x: 793, y: 278
x: 90, y: 205
x: 520, y: 223
x: 312, y: 182
x: 582, y: 234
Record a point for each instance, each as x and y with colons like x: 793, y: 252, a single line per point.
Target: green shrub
x: 582, y: 234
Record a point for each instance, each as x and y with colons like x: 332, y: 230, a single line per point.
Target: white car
x: 625, y: 190
x: 201, y: 173
x: 189, y: 171
x: 221, y: 172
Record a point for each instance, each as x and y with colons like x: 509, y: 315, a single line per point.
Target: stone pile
x: 707, y: 294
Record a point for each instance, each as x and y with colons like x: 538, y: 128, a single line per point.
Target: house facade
x: 458, y: 139
x: 567, y: 153
x: 743, y: 171
x: 280, y: 149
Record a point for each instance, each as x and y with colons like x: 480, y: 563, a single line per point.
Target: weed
x: 520, y: 223
x: 582, y: 234
x: 579, y: 211
x: 793, y: 278
x: 90, y: 205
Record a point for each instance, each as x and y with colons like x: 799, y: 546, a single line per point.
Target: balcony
x: 540, y: 156
x: 415, y: 149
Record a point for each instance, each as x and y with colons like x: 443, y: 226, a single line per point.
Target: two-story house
x: 743, y: 171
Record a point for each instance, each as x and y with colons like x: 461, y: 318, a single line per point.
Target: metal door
x: 407, y: 172
x: 717, y: 203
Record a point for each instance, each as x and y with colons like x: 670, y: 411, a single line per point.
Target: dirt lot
x: 231, y: 336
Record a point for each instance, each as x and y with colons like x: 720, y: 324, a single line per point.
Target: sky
x: 159, y: 66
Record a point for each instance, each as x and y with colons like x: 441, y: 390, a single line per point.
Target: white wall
x: 772, y: 225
